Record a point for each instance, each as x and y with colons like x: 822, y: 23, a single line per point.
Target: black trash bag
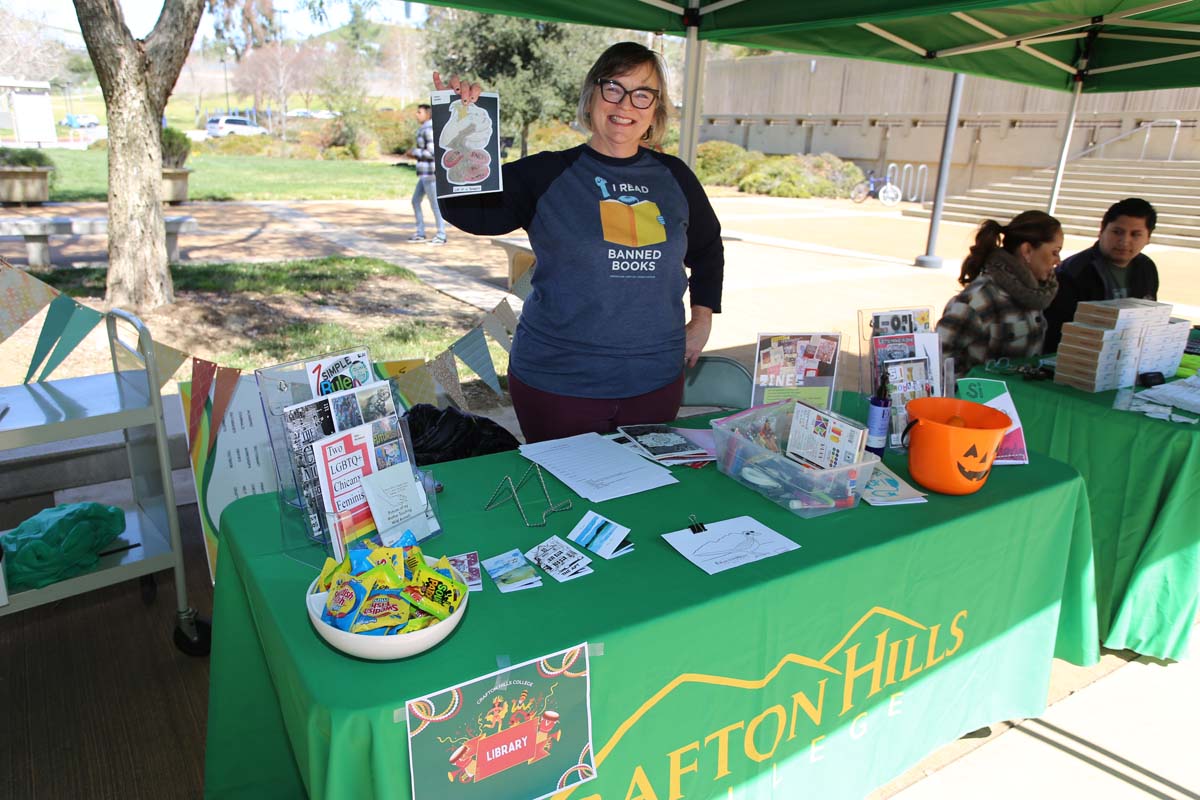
x: 449, y: 434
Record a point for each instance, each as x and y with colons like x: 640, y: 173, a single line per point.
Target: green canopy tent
x: 1071, y: 45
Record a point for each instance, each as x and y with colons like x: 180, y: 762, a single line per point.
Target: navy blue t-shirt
x: 605, y: 318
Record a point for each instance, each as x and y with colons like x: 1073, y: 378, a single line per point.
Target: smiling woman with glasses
x: 621, y: 233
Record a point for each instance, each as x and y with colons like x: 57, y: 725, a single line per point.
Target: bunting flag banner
x: 473, y: 351
x: 62, y: 308
x: 445, y: 372
x: 202, y: 377
x: 391, y: 371
x: 22, y: 296
x: 506, y: 315
x: 82, y: 320
x: 495, y: 328
x: 416, y: 386
x: 523, y: 285
x: 168, y: 360
x: 223, y: 390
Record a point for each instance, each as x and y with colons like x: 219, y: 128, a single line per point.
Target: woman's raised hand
x: 469, y: 92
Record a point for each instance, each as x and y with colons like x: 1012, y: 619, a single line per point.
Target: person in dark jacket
x: 1112, y: 268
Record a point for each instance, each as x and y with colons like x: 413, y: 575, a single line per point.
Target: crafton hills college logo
x: 857, y: 668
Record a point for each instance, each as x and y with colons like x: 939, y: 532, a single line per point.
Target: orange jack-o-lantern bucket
x: 952, y: 443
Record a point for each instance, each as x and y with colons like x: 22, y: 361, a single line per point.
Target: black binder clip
x: 695, y: 525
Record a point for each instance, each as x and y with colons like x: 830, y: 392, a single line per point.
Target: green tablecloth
x: 1143, y: 481
x: 823, y: 672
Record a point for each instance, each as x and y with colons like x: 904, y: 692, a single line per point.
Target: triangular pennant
x: 22, y: 296
x: 78, y: 326
x: 168, y: 360
x: 473, y: 350
x: 390, y: 369
x: 417, y: 386
x: 445, y: 372
x: 61, y: 309
x: 495, y: 328
x: 523, y: 285
x: 506, y: 315
x: 223, y: 390
x: 202, y: 377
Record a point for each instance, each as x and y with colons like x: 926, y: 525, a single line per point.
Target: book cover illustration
x: 338, y: 373
x: 800, y: 366
x: 343, y: 460
x: 466, y: 144
x: 660, y: 441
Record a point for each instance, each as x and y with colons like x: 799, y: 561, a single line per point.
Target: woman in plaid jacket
x: 1009, y: 281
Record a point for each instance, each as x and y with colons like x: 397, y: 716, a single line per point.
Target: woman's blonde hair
x: 620, y: 59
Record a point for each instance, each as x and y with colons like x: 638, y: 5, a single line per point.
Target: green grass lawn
x: 83, y: 175
x: 313, y: 277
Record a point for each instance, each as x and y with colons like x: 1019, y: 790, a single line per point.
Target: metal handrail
x: 1144, y: 127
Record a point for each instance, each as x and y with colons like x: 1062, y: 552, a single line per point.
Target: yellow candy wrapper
x: 414, y: 624
x: 346, y: 595
x: 326, y: 577
x: 382, y: 576
x: 434, y: 593
x: 383, y: 608
x: 413, y: 557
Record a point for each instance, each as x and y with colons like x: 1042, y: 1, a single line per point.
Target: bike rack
x: 913, y: 183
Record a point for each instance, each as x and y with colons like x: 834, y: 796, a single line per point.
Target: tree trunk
x: 524, y: 139
x: 137, y: 77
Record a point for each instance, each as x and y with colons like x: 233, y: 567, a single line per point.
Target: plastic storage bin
x: 750, y: 449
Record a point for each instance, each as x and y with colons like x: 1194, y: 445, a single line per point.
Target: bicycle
x: 888, y: 193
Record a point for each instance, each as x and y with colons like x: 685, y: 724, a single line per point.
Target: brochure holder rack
x: 915, y: 368
x: 281, y: 386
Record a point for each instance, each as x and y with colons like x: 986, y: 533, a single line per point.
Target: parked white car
x: 233, y: 126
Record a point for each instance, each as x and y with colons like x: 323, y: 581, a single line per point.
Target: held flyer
x: 466, y: 142
x: 799, y: 366
x: 523, y: 731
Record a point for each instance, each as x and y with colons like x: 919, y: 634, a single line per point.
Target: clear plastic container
x: 750, y: 449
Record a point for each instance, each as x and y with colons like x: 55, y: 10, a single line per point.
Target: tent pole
x: 693, y: 64
x: 939, y: 196
x: 1066, y: 147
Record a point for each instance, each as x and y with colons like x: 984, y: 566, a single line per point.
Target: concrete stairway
x: 1089, y: 187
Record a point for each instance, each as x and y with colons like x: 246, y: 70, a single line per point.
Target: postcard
x: 560, y: 560
x: 511, y: 571
x: 798, y: 366
x: 468, y: 566
x: 466, y: 144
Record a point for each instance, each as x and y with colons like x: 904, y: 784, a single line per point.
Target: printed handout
x: 729, y: 543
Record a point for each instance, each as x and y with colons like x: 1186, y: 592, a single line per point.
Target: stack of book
x: 1112, y: 341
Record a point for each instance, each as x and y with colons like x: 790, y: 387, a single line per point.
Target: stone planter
x: 25, y: 184
x: 174, y: 185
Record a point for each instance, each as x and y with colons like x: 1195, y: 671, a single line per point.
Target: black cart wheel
x: 198, y: 644
x: 149, y: 589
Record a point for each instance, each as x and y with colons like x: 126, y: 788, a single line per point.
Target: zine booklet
x: 660, y: 441
x: 511, y: 572
x: 795, y: 366
x: 601, y: 535
x: 343, y: 460
x: 338, y: 373
x: 823, y: 439
x: 466, y: 142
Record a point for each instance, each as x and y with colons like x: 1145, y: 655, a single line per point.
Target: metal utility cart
x: 129, y: 400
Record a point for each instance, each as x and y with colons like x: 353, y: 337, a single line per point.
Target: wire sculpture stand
x: 499, y: 499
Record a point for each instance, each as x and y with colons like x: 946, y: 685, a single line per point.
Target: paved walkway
x: 1117, y: 730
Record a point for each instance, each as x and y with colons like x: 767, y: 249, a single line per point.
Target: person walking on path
x: 426, y: 185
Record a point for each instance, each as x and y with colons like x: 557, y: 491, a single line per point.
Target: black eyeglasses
x: 641, y: 97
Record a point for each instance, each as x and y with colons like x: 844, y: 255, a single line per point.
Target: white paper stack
x: 1112, y: 341
x: 596, y: 468
x: 1163, y: 345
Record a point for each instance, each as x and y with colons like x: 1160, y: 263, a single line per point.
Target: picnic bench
x: 38, y: 230
x: 520, y: 258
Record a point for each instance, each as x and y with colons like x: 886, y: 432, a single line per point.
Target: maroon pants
x: 544, y: 415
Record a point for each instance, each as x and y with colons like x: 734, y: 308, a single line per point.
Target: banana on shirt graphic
x: 628, y: 221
